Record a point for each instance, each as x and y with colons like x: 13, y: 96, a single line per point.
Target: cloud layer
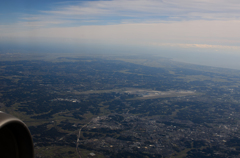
x: 199, y: 34
x: 141, y: 11
x: 208, y: 24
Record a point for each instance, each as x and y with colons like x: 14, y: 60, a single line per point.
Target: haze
x: 194, y: 31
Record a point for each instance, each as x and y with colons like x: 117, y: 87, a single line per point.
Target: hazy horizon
x: 197, y: 31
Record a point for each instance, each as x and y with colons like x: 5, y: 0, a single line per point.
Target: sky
x: 196, y: 31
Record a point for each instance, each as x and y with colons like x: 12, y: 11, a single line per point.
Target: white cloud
x: 189, y: 24
x: 202, y: 9
x: 39, y: 23
x: 202, y: 32
x: 141, y: 11
x: 209, y: 24
x: 203, y: 46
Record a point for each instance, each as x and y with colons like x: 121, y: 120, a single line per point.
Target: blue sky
x: 171, y: 27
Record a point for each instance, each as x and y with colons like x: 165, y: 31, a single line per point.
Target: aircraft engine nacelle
x: 15, y: 138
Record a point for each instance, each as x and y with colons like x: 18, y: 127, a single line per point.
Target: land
x: 122, y: 106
